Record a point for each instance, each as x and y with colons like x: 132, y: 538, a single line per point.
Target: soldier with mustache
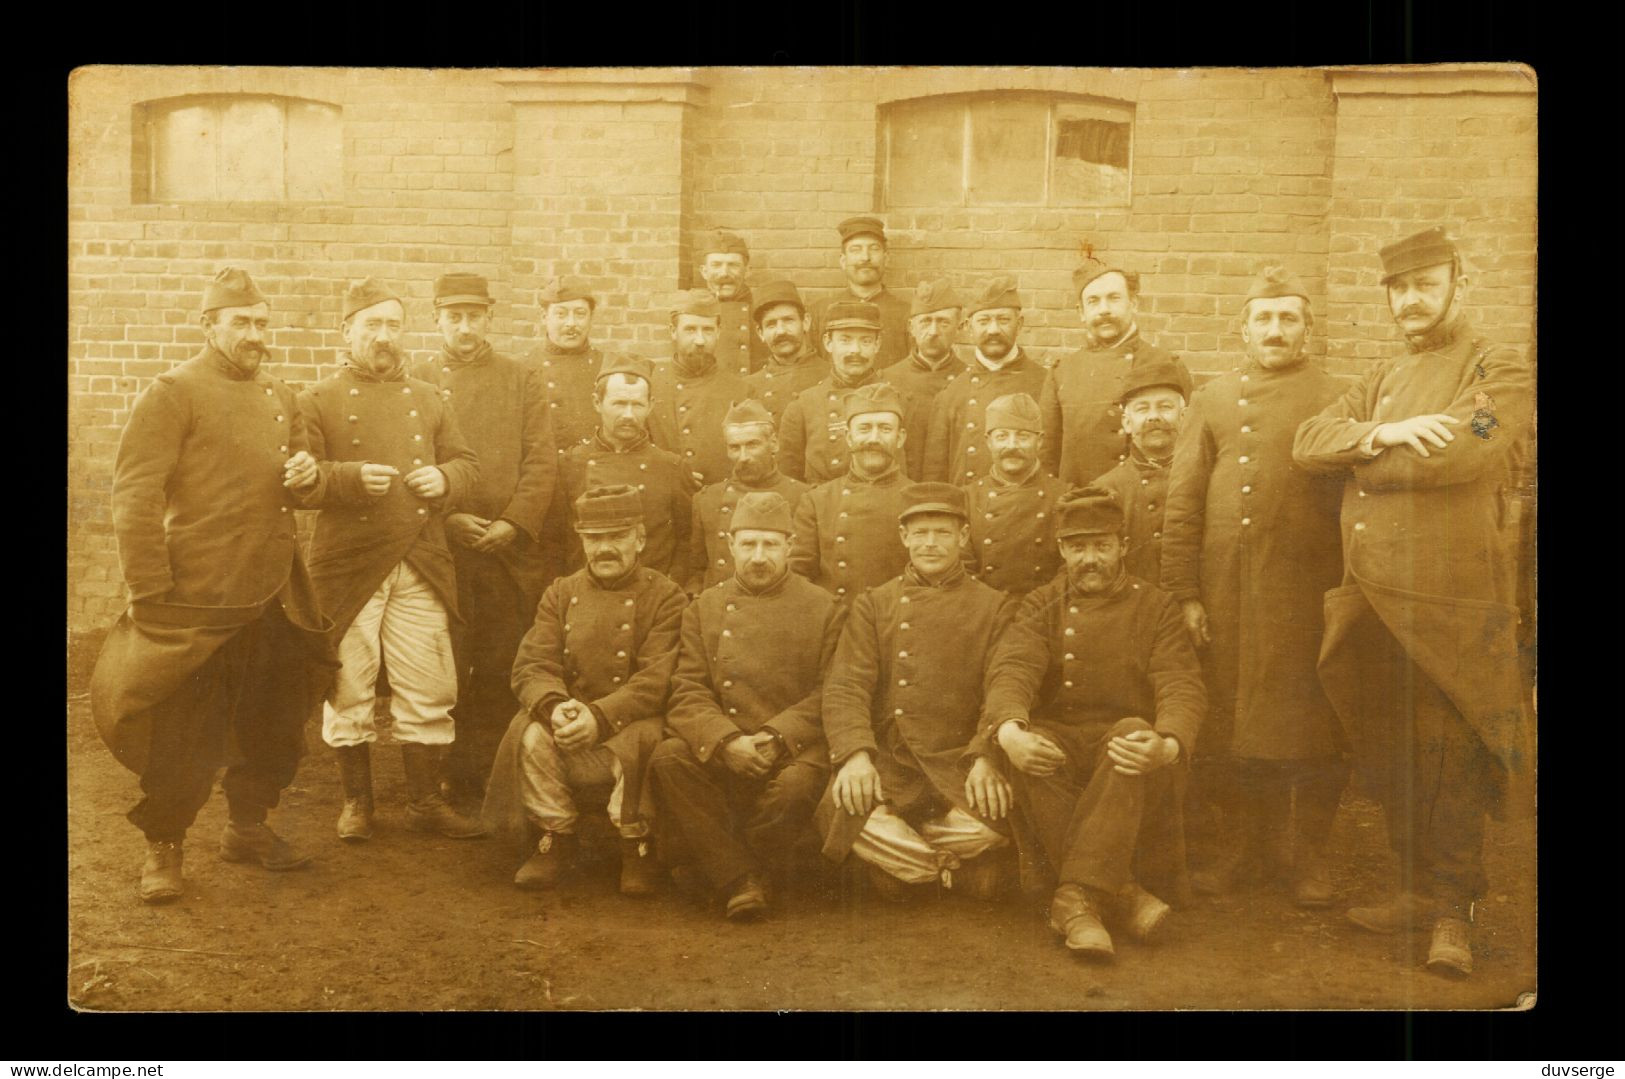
x: 863, y: 262
x: 724, y: 262
x: 793, y: 362
x: 933, y: 324
x: 1153, y: 400
x: 693, y: 391
x: 812, y: 433
x: 749, y: 434
x: 1012, y: 508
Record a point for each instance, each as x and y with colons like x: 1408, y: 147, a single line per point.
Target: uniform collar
x: 551, y: 349
x: 771, y: 590
x: 607, y: 446
x: 222, y: 363
x: 884, y: 477
x: 768, y: 484
x: 804, y: 357
x: 920, y: 363
x: 1446, y: 333
x: 850, y: 291
x: 619, y: 584
x: 950, y: 577
x: 681, y: 370
x: 481, y: 355
x: 1115, y: 590
x: 840, y: 383
x: 362, y: 374
x: 1122, y: 344
x: 1011, y: 359
x: 995, y: 478
x: 1147, y: 464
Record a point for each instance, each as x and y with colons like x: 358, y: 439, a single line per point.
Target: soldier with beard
x: 863, y: 262
x: 792, y: 363
x: 1081, y: 412
x: 1012, y: 508
x: 1095, y: 693
x: 933, y: 324
x: 725, y: 260
x: 393, y: 463
x: 692, y: 392
x: 845, y: 536
x: 749, y: 434
x: 954, y: 451
x: 812, y: 432
x: 221, y: 654
x: 1153, y: 400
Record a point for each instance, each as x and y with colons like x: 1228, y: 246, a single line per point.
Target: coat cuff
x: 713, y: 732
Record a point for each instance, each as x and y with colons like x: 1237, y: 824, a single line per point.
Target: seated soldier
x: 738, y: 784
x: 1153, y: 401
x: 917, y: 794
x: 1095, y: 691
x: 591, y: 677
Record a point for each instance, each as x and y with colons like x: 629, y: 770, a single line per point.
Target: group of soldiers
x: 820, y: 584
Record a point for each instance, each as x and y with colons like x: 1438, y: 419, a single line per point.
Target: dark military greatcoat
x: 918, y: 384
x: 846, y: 533
x: 687, y: 412
x: 776, y: 384
x: 812, y: 431
x: 659, y: 475
x: 1083, y: 421
x: 710, y: 561
x: 739, y: 348
x: 956, y: 444
x: 1012, y: 531
x: 1140, y: 486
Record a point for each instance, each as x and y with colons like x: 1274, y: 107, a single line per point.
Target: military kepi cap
x: 862, y: 225
x: 764, y: 510
x: 723, y: 242
x: 696, y: 301
x: 565, y: 289
x: 1429, y: 248
x: 1015, y: 412
x: 462, y: 288
x: 875, y: 397
x: 749, y: 410
x: 994, y: 293
x: 231, y: 287
x: 774, y: 292
x: 1274, y: 282
x: 1087, y: 511
x: 1170, y: 373
x: 619, y: 363
x: 852, y: 315
x: 934, y: 498
x: 934, y: 296
x: 610, y: 508
x: 364, y: 294
x: 1094, y: 268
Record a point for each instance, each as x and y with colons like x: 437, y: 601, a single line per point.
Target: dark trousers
x: 1423, y: 761
x: 1237, y: 801
x: 244, y: 708
x: 727, y: 824
x: 1090, y: 819
x: 496, y: 614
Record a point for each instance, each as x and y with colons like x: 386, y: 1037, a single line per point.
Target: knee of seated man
x: 537, y: 736
x: 672, y: 753
x: 1126, y: 726
x: 797, y: 783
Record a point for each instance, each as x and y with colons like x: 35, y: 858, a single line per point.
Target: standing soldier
x: 1153, y: 402
x: 501, y: 406
x: 1420, y: 657
x: 569, y: 364
x: 955, y: 452
x: 1250, y: 547
x: 1081, y: 412
x: 619, y: 452
x: 846, y: 528
x: 725, y: 260
x: 692, y: 392
x: 222, y: 644
x: 748, y: 433
x: 812, y: 431
x: 933, y: 324
x: 393, y: 464
x: 793, y: 363
x: 737, y: 785
x: 592, y: 677
x: 916, y: 793
x: 1012, y: 508
x: 863, y: 261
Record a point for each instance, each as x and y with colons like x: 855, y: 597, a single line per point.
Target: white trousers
x: 549, y: 778
x: 407, y: 625
x: 918, y: 857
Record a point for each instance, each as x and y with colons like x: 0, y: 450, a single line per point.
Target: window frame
x: 146, y: 115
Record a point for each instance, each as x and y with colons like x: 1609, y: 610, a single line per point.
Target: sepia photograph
x: 988, y: 539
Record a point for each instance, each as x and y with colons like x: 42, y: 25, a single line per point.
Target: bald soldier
x: 692, y: 391
x: 724, y: 262
x: 793, y: 362
x: 393, y: 465
x: 863, y: 262
x: 916, y: 792
x: 221, y: 653
x: 749, y: 434
x: 737, y: 785
x: 955, y: 451
x: 846, y: 528
x: 812, y: 431
x: 1012, y: 508
x: 620, y: 451
x: 1081, y: 410
x: 501, y: 406
x: 1153, y: 401
x: 1251, y: 546
x: 933, y: 325
x: 1420, y: 657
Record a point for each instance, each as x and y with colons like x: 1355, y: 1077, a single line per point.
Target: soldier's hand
x: 987, y: 790
x: 857, y: 784
x: 768, y: 746
x: 1139, y: 753
x: 1196, y: 622
x: 743, y: 758
x: 498, y: 534
x: 465, y: 529
x: 426, y: 482
x: 299, y: 472
x: 1418, y: 433
x: 375, y: 479
x: 1030, y: 751
x: 579, y: 729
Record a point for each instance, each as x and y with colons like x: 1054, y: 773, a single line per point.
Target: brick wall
x: 615, y: 175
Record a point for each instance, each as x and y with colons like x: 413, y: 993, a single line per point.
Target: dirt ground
x: 409, y: 922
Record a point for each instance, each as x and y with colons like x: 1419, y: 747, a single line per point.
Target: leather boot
x: 1450, y: 951
x: 1075, y: 914
x: 554, y: 852
x: 355, y: 775
x: 256, y: 843
x: 1318, y: 800
x: 1141, y: 912
x: 426, y: 809
x: 161, y: 880
x: 640, y: 874
x: 747, y: 899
